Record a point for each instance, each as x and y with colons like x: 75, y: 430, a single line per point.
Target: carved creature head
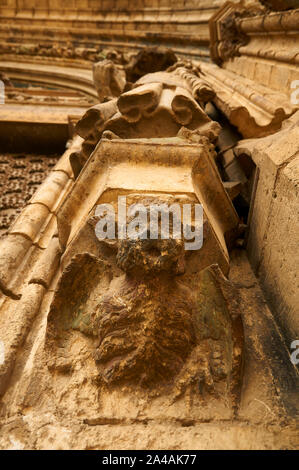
x: 151, y: 257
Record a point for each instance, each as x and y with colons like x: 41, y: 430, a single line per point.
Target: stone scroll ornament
x: 158, y: 105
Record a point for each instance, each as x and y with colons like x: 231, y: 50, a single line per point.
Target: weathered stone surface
x: 141, y: 336
x: 143, y: 343
x: 89, y: 128
x: 109, y: 79
x: 149, y: 60
x: 258, y: 45
x: 225, y: 37
x: 83, y: 31
x: 47, y: 265
x: 280, y: 4
x: 254, y: 109
x: 51, y: 74
x: 15, y: 326
x: 158, y: 106
x: 273, y: 239
x: 13, y: 250
x: 88, y: 424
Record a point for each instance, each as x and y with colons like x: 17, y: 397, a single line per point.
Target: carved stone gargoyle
x: 152, y: 318
x: 158, y: 323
